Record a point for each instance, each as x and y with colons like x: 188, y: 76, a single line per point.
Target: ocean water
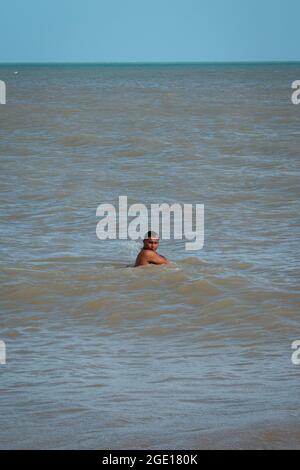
x: 104, y: 356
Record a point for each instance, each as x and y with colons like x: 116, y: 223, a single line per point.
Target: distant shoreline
x: 152, y: 63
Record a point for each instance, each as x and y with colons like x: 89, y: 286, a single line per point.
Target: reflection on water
x: 196, y: 355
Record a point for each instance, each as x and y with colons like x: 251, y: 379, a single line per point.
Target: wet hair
x: 150, y: 234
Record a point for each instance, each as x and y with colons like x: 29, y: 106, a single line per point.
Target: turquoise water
x: 198, y: 355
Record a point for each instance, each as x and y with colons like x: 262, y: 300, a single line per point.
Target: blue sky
x: 149, y: 31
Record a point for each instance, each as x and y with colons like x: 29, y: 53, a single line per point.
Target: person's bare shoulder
x: 155, y: 258
x: 147, y: 253
x: 144, y: 258
x: 147, y: 257
x: 141, y: 259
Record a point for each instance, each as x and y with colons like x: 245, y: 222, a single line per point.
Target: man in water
x: 148, y: 254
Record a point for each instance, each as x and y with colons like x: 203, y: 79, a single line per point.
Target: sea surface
x: 100, y: 355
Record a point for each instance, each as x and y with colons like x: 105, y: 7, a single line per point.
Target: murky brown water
x: 198, y: 355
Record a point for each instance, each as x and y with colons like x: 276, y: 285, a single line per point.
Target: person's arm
x: 155, y: 258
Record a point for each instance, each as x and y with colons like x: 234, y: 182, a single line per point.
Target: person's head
x: 151, y: 241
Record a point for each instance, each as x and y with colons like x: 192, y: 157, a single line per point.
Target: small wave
x: 201, y: 287
x: 98, y: 304
x: 241, y: 265
x: 193, y: 261
x: 233, y: 282
x: 130, y: 153
x: 85, y: 139
x: 238, y: 198
x: 135, y: 140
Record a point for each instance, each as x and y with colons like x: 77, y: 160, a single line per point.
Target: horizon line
x: 155, y: 62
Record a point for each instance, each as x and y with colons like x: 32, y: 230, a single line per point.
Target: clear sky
x: 149, y: 30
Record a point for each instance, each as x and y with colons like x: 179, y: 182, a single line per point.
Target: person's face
x: 151, y: 244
